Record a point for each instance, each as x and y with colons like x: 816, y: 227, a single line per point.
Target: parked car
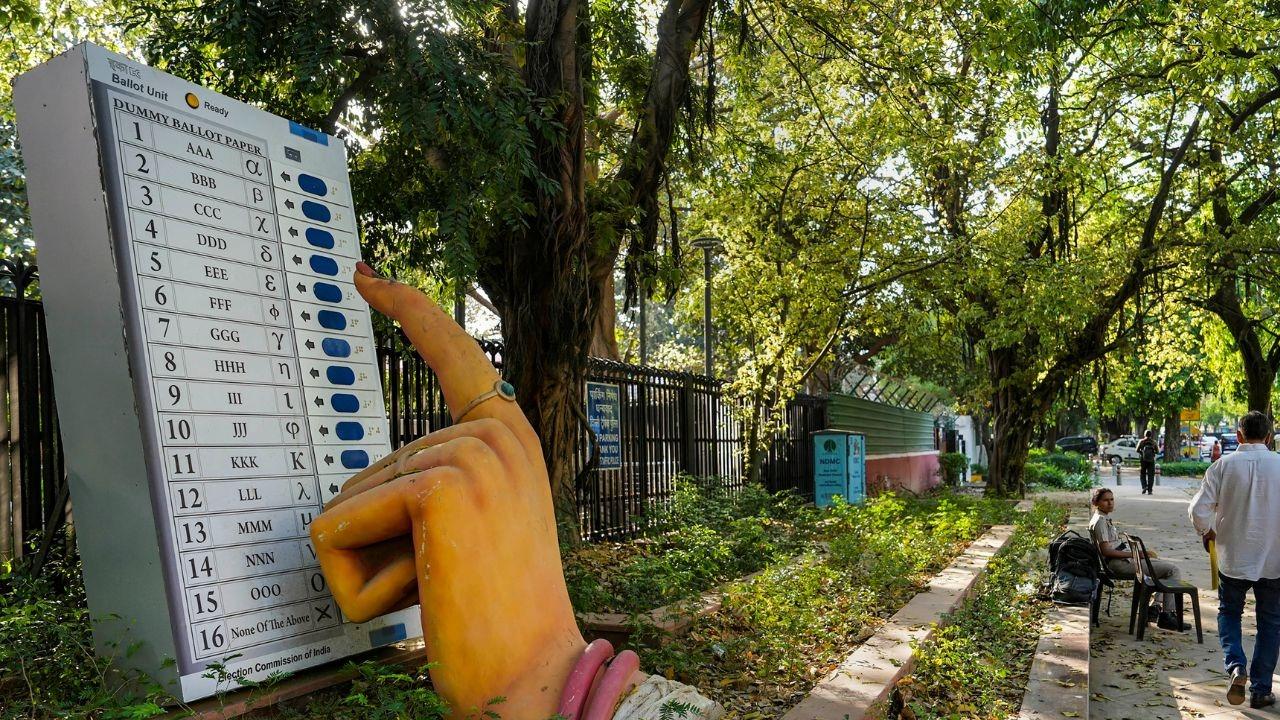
x: 1119, y: 450
x: 1229, y: 442
x: 1083, y: 444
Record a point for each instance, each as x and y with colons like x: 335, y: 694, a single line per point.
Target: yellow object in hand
x: 1213, y: 565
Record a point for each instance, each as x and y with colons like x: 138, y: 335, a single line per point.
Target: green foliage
x: 48, y: 667
x: 978, y: 469
x: 1065, y: 470
x: 970, y: 668
x: 775, y: 631
x: 706, y: 535
x: 1184, y: 468
x: 382, y: 692
x: 951, y: 466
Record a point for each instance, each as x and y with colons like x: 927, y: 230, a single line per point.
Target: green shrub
x: 951, y: 467
x: 706, y: 535
x: 978, y: 469
x: 1184, y: 468
x: 48, y: 667
x: 1069, y: 462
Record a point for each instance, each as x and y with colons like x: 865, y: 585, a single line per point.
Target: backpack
x: 1073, y: 563
x: 1147, y: 451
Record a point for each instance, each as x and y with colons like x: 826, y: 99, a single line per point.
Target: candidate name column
x: 337, y: 356
x: 240, y: 479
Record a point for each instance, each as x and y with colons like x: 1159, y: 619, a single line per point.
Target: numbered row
x: 133, y: 127
x: 234, y: 598
x: 221, y: 637
x: 181, y: 429
x: 190, y: 363
x: 236, y: 462
x: 158, y: 262
x: 260, y: 464
x: 205, y: 567
x: 151, y: 166
x: 211, y: 333
x: 200, y: 396
x: 190, y: 207
x: 324, y: 278
x: 223, y: 496
x: 213, y: 531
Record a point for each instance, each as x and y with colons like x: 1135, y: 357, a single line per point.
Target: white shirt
x: 1240, y: 501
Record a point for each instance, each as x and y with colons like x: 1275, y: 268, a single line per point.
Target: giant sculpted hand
x: 460, y: 521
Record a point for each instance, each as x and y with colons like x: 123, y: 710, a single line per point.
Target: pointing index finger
x: 464, y: 370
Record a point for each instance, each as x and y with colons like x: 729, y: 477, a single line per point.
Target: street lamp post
x: 707, y: 245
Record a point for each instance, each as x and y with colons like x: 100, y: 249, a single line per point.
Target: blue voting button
x: 344, y: 403
x: 315, y: 211
x: 324, y: 265
x: 354, y: 459
x: 332, y: 320
x: 348, y: 430
x: 312, y: 184
x: 335, y: 347
x: 320, y: 238
x: 328, y: 292
x: 339, y: 375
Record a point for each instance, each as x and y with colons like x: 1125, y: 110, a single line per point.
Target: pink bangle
x: 615, y: 683
x: 577, y: 687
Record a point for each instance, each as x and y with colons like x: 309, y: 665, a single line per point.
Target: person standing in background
x: 1147, y: 451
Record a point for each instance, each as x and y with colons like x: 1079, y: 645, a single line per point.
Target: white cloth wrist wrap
x: 649, y: 697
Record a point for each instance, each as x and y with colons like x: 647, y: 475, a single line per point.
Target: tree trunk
x: 1009, y: 446
x: 1259, y: 379
x: 1014, y: 419
x: 1172, y: 436
x: 604, y: 340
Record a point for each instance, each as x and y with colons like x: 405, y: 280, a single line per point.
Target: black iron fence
x: 670, y: 423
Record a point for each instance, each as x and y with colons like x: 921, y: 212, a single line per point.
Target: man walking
x: 1147, y: 450
x: 1238, y: 507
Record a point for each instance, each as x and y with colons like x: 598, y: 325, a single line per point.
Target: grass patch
x: 780, y: 632
x: 706, y: 536
x: 976, y: 667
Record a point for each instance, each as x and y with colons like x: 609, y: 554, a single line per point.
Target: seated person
x: 1119, y: 558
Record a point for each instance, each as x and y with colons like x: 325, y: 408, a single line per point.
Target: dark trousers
x: 1266, y: 646
x: 1147, y: 473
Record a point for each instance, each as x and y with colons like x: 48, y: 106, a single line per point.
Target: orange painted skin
x: 460, y: 521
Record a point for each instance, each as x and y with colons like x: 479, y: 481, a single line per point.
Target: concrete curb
x: 867, y: 677
x: 1058, y: 685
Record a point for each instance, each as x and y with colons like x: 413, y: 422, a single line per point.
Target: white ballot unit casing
x: 216, y: 374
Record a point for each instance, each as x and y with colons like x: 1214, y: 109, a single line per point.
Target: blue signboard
x: 857, y: 465
x: 604, y: 407
x: 839, y: 467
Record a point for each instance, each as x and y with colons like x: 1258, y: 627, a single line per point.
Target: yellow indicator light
x: 193, y: 102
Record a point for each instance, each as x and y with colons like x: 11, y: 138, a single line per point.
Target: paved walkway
x: 1167, y: 675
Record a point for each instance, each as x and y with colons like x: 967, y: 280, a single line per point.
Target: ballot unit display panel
x: 252, y: 361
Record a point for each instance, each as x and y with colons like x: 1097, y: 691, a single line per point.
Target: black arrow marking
x: 319, y: 402
x: 293, y: 231
x: 328, y: 459
x: 315, y: 373
x: 333, y: 488
x: 284, y: 176
x: 288, y: 204
x: 324, y: 430
x: 311, y: 345
x: 302, y: 288
x: 306, y: 315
